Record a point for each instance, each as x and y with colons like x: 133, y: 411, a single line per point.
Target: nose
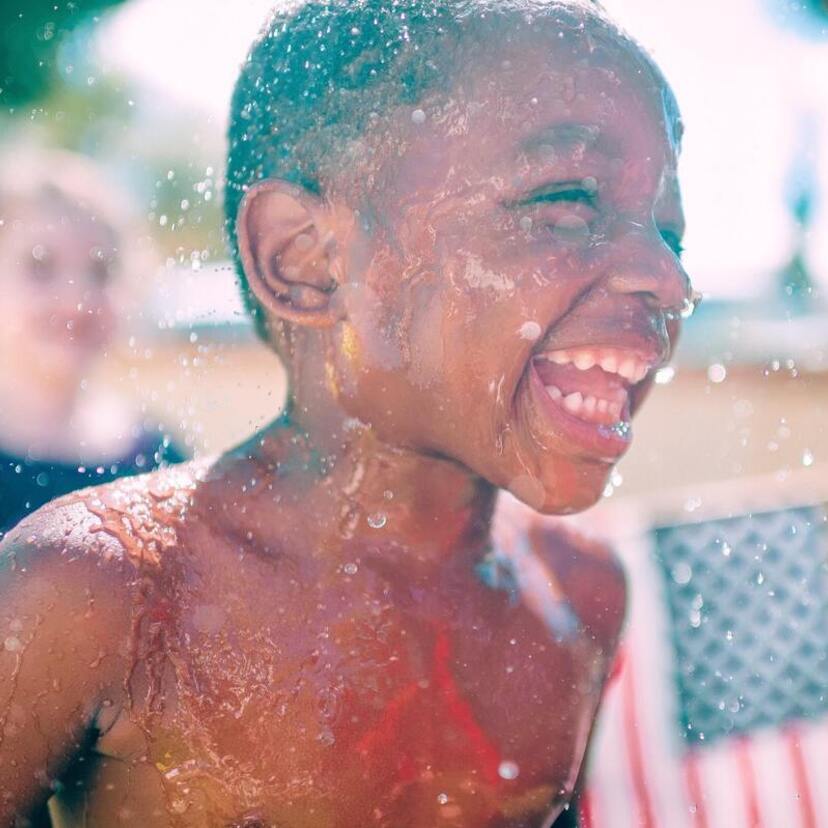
x: 643, y: 264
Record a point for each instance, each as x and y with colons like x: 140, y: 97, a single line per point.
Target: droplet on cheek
x: 13, y: 644
x: 530, y: 331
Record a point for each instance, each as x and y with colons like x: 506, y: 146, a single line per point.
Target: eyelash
x: 576, y: 194
x: 582, y: 196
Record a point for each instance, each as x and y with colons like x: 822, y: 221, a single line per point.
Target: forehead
x: 48, y: 216
x: 546, y: 96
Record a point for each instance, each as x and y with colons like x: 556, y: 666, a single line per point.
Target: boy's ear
x: 288, y: 252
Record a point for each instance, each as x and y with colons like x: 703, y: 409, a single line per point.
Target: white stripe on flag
x: 814, y: 741
x: 722, y: 785
x: 622, y: 793
x: 651, y: 661
x: 775, y: 781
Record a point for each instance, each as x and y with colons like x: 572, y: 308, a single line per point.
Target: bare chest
x: 358, y: 702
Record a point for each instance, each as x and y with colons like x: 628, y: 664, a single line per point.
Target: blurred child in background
x: 63, y: 237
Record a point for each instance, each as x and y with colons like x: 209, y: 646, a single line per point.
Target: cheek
x: 27, y: 310
x: 428, y: 337
x: 102, y: 305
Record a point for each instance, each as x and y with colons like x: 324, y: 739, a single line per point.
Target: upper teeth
x: 623, y: 363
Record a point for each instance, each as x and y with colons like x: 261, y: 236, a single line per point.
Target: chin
x: 564, y: 490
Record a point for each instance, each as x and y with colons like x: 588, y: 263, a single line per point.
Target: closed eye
x: 567, y: 191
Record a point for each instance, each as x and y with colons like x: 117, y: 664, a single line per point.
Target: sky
x: 745, y: 85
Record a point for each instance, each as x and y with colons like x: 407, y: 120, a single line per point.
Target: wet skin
x: 326, y: 627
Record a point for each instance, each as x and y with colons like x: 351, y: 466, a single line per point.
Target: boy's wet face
x: 531, y: 282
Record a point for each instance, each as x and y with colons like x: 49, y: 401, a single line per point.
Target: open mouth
x: 587, y: 394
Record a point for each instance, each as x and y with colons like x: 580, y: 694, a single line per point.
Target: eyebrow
x: 563, y: 136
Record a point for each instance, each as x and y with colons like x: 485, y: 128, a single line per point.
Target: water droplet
x: 621, y: 428
x: 717, y: 372
x: 350, y: 568
x: 665, y: 375
x: 571, y: 229
x: 442, y: 798
x: 807, y: 458
x: 13, y: 644
x: 682, y: 573
x: 530, y: 331
x: 690, y: 305
x: 326, y: 738
x: 377, y: 520
x: 508, y: 770
x: 526, y: 224
x: 418, y: 116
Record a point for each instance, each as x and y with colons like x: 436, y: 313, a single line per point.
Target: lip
x: 598, y: 441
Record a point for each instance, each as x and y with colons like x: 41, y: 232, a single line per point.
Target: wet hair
x: 322, y: 72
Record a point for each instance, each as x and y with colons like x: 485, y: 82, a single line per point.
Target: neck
x: 347, y: 487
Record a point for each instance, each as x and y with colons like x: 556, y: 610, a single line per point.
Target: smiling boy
x: 459, y: 224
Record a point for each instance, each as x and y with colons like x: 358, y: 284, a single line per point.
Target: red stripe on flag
x: 800, y: 771
x: 585, y: 813
x: 694, y: 790
x: 634, y: 752
x: 748, y: 778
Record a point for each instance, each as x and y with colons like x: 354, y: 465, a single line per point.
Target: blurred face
x: 56, y: 267
x: 525, y: 283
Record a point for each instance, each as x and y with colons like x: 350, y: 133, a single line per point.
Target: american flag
x: 718, y: 717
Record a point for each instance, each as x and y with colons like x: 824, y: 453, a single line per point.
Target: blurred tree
x: 820, y: 6
x: 31, y: 32
x: 802, y: 197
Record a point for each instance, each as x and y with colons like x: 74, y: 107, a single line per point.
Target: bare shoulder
x: 72, y: 579
x: 586, y: 570
x: 590, y: 572
x: 74, y: 565
x: 95, y: 549
x: 132, y: 520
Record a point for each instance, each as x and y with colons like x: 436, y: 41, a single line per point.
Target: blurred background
x: 719, y: 505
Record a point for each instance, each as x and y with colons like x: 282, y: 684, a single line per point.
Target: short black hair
x: 322, y: 72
